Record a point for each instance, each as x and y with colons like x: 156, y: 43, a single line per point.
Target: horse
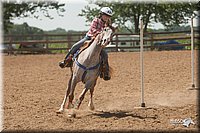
x: 86, y: 68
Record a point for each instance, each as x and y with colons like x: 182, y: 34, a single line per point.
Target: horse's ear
x: 114, y: 29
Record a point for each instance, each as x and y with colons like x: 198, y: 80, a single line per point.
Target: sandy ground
x: 34, y: 87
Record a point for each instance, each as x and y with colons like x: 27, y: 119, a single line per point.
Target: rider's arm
x: 95, y: 27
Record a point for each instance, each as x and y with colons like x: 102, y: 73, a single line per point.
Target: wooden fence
x: 45, y: 43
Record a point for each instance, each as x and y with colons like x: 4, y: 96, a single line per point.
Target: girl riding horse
x: 96, y: 27
x: 86, y: 69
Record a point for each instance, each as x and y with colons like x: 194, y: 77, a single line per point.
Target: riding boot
x: 106, y: 71
x: 105, y: 74
x: 67, y: 62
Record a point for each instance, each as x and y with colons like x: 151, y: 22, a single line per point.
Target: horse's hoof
x: 91, y: 108
x: 62, y: 64
x: 73, y: 115
x: 60, y: 111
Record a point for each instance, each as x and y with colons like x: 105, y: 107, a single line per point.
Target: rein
x: 85, y: 68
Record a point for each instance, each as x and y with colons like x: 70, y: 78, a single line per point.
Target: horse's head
x: 105, y: 36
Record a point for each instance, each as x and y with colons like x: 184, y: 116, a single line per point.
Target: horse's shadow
x: 122, y: 114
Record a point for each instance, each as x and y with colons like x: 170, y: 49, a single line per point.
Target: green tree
x: 169, y: 14
x: 27, y: 9
x: 25, y: 29
x: 57, y: 31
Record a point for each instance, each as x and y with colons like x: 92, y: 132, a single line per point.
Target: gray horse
x: 86, y: 68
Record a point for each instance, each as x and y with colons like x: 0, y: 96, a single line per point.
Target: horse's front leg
x: 62, y: 107
x: 90, y: 104
x: 71, y: 94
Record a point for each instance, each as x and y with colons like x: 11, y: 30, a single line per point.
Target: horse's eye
x: 104, y: 29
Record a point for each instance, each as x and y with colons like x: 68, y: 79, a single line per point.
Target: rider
x: 96, y: 27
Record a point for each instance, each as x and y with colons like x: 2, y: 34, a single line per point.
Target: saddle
x: 80, y: 50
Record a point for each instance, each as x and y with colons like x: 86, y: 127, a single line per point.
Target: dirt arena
x: 34, y: 87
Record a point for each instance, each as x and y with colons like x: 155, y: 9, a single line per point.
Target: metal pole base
x: 193, y: 87
x: 142, y: 104
x: 143, y: 107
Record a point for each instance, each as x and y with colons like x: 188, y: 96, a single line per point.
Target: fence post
x: 117, y: 42
x: 47, y: 44
x: 69, y: 40
x: 151, y: 34
x: 10, y: 46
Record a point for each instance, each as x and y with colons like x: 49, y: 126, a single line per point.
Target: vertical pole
x: 192, y: 52
x: 192, y: 56
x: 1, y: 71
x: 141, y: 63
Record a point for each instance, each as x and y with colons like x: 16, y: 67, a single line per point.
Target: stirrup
x: 62, y: 64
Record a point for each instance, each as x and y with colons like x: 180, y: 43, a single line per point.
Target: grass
x: 53, y: 45
x: 62, y: 45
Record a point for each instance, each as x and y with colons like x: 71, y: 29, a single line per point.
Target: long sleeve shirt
x: 96, y: 26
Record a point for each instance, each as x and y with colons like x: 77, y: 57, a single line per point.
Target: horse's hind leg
x: 89, y: 85
x: 80, y: 98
